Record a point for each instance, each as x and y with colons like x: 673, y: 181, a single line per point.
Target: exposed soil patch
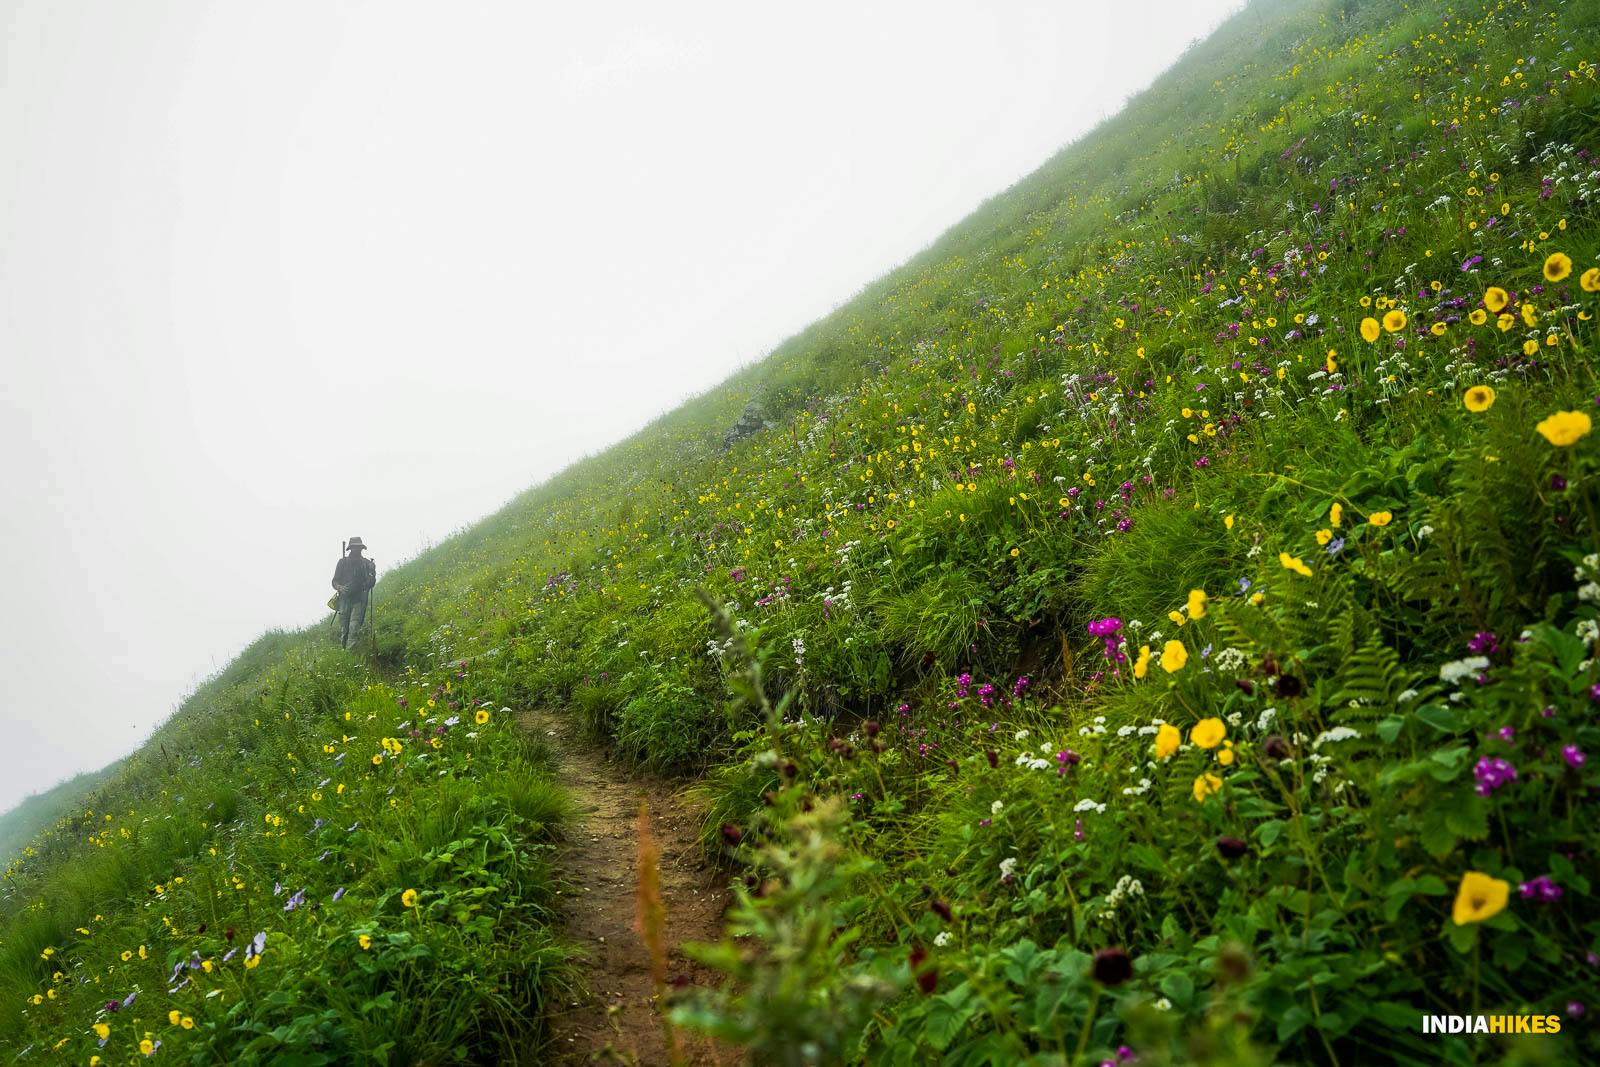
x: 619, y: 1021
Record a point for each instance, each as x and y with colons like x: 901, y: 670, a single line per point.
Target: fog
x: 276, y: 274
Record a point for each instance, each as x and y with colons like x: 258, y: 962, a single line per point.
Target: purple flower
x: 1493, y: 772
x: 1542, y: 889
x: 1335, y: 546
x: 337, y: 893
x: 1574, y: 756
x: 1507, y: 734
x: 294, y: 902
x: 1575, y: 1009
x: 1484, y: 643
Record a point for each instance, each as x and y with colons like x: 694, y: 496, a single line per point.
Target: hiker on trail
x: 353, y: 580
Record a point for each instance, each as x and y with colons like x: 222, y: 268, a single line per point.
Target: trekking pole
x: 372, y: 634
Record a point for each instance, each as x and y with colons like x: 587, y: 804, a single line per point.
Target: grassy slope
x: 1041, y: 421
x: 39, y: 812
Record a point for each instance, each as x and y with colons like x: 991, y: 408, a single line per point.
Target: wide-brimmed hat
x: 354, y: 542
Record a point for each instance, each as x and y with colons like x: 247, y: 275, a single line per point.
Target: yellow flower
x: 1530, y: 317
x: 1197, y: 603
x: 1173, y: 656
x: 1167, y: 740
x: 102, y: 1031
x: 1324, y: 536
x: 1015, y: 552
x: 142, y: 954
x: 1478, y: 317
x: 1205, y: 786
x: 147, y: 1046
x: 252, y: 962
x: 1530, y: 347
x: 365, y: 942
x: 1369, y: 329
x: 1294, y: 563
x: 1227, y: 521
x: 1395, y: 321
x: 1505, y: 321
x: 409, y: 898
x: 1437, y: 329
x: 1257, y: 598
x: 1480, y: 897
x: 481, y: 717
x: 1495, y: 299
x: 174, y: 1016
x: 1564, y: 427
x: 1141, y: 666
x: 1590, y: 281
x: 1557, y: 267
x: 1208, y: 733
x: 1381, y: 518
x: 377, y: 758
x: 1336, y: 514
x: 187, y: 1022
x: 1479, y: 398
x: 1225, y: 757
x: 127, y: 955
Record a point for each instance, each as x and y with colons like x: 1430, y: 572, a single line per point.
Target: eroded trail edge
x: 619, y: 1021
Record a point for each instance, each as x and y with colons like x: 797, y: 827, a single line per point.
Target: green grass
x: 1105, y: 389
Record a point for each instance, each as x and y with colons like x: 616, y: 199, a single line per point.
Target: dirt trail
x: 618, y: 1021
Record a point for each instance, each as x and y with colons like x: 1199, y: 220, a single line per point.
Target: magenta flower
x: 1542, y: 889
x: 1574, y: 756
x: 1493, y: 772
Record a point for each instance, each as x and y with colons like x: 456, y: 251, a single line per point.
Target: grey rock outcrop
x: 751, y: 422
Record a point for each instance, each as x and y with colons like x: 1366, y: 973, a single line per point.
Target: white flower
x: 1020, y: 735
x: 1588, y: 631
x: 1454, y: 671
x: 942, y: 939
x: 1164, y: 1004
x: 1008, y: 867
x: 996, y: 808
x: 1338, y: 733
x: 1264, y: 720
x: 1589, y: 592
x: 1407, y: 696
x: 1089, y: 805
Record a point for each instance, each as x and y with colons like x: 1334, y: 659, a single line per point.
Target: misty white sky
x: 276, y: 274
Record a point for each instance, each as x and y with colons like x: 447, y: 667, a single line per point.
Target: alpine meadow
x: 1155, y: 625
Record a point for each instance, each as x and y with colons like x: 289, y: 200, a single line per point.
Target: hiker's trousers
x: 352, y: 614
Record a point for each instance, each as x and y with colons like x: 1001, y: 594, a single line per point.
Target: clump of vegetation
x: 1159, y: 627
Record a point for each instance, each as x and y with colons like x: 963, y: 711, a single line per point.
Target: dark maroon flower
x: 1276, y: 748
x: 731, y: 833
x: 1112, y: 966
x: 927, y: 977
x: 873, y: 727
x: 940, y: 908
x: 1231, y: 847
x: 993, y: 757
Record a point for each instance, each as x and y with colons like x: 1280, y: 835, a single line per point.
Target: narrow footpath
x: 619, y: 1022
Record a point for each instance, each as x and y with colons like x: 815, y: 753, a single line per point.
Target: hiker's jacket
x: 356, y: 574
